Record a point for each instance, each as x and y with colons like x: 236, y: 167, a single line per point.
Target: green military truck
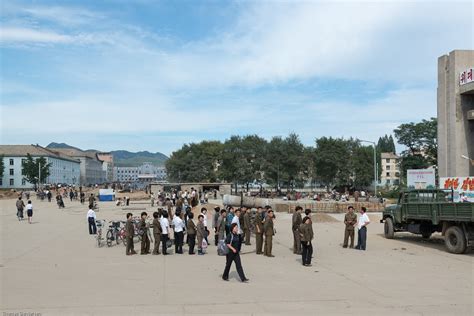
x: 424, y: 212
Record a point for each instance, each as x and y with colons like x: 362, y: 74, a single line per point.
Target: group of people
x: 20, y: 207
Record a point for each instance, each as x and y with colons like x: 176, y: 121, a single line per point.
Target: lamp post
x: 375, y: 164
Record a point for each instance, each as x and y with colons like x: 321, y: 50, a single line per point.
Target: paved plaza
x: 54, y: 267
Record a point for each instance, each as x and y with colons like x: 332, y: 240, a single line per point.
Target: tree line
x: 284, y: 162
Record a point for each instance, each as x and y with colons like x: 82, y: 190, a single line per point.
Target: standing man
x: 165, y: 226
x: 246, y: 225
x: 156, y: 233
x: 228, y: 222
x: 362, y: 225
x: 306, y: 234
x: 296, y: 222
x: 221, y: 224
x: 129, y: 232
x: 191, y: 230
x: 349, y: 220
x: 268, y: 231
x: 91, y: 200
x: 201, y: 233
x: 20, y: 205
x: 178, y: 233
x: 259, y: 230
x: 91, y: 220
x: 215, y: 225
x: 143, y: 229
x: 236, y: 220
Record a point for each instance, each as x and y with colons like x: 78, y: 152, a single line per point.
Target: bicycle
x: 113, y: 233
x: 99, y: 224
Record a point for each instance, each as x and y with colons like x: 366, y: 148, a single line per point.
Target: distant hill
x: 123, y: 158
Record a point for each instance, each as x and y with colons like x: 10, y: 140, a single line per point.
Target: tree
x: 386, y: 144
x: 195, y: 162
x: 31, y: 167
x: 421, y: 142
x: 2, y: 166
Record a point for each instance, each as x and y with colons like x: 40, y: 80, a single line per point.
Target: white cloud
x: 18, y: 35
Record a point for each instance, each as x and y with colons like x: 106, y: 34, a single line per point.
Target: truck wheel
x: 454, y: 240
x: 425, y: 231
x: 388, y: 228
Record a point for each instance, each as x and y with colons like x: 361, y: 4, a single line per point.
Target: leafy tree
x: 386, y: 144
x: 195, y: 162
x: 2, y: 166
x: 31, y: 167
x: 421, y: 142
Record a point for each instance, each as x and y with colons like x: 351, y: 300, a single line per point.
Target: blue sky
x: 153, y: 75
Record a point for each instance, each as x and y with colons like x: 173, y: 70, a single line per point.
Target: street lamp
x: 375, y: 163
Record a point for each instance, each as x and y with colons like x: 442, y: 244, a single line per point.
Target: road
x: 53, y: 267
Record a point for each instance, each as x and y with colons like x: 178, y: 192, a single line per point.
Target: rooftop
x: 33, y: 150
x: 389, y: 156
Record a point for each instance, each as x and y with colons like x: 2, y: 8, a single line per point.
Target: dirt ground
x: 54, y: 267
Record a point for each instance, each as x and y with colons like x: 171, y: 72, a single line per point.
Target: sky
x: 154, y: 75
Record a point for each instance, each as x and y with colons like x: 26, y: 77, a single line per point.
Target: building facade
x: 63, y: 169
x: 107, y: 165
x: 91, y: 167
x: 390, y: 173
x: 144, y: 173
x: 456, y: 114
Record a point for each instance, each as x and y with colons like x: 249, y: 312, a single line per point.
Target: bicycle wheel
x: 109, y: 237
x: 118, y: 237
x: 99, y: 238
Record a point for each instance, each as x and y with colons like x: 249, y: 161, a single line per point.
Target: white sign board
x: 421, y: 178
x: 466, y: 76
x: 460, y: 185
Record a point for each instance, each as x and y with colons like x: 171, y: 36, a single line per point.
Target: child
x: 29, y: 211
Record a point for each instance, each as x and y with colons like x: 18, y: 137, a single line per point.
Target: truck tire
x: 425, y: 231
x: 454, y: 240
x: 388, y: 230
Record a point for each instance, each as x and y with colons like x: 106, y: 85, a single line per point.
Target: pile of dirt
x: 8, y: 194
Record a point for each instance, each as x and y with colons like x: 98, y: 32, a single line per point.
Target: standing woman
x: 306, y: 235
x: 191, y: 228
x: 29, y: 211
x: 234, y: 243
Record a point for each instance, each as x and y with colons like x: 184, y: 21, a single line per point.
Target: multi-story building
x: 390, y: 175
x: 63, y: 169
x: 144, y: 173
x: 91, y: 167
x: 107, y: 165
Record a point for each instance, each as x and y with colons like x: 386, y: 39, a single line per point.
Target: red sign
x: 465, y: 76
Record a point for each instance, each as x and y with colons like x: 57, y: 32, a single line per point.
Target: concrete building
x: 107, y: 165
x: 91, y: 167
x: 390, y: 175
x: 456, y: 114
x: 145, y: 173
x: 63, y: 169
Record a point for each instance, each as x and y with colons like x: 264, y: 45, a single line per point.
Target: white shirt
x: 205, y: 219
x: 91, y: 213
x: 178, y: 224
x: 362, y: 220
x: 164, y: 225
x: 237, y: 221
x: 29, y: 206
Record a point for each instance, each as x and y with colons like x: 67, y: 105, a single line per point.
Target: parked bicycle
x: 99, y: 224
x: 114, y: 233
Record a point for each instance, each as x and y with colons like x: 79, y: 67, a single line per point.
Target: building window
x: 388, y: 167
x: 12, y: 182
x: 387, y: 160
x: 12, y: 172
x: 23, y: 182
x: 12, y: 162
x: 388, y: 181
x: 388, y: 174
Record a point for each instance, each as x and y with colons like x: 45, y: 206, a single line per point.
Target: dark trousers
x: 247, y: 236
x: 156, y: 248
x: 362, y: 238
x: 348, y: 233
x: 296, y: 242
x: 178, y: 242
x: 267, y: 250
x: 164, y: 239
x: 145, y: 244
x: 259, y: 242
x: 19, y: 213
x: 92, y: 226
x: 216, y: 239
x: 192, y: 243
x: 307, y: 252
x: 129, y: 249
x: 233, y: 257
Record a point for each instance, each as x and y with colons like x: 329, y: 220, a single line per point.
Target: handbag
x: 222, y: 248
